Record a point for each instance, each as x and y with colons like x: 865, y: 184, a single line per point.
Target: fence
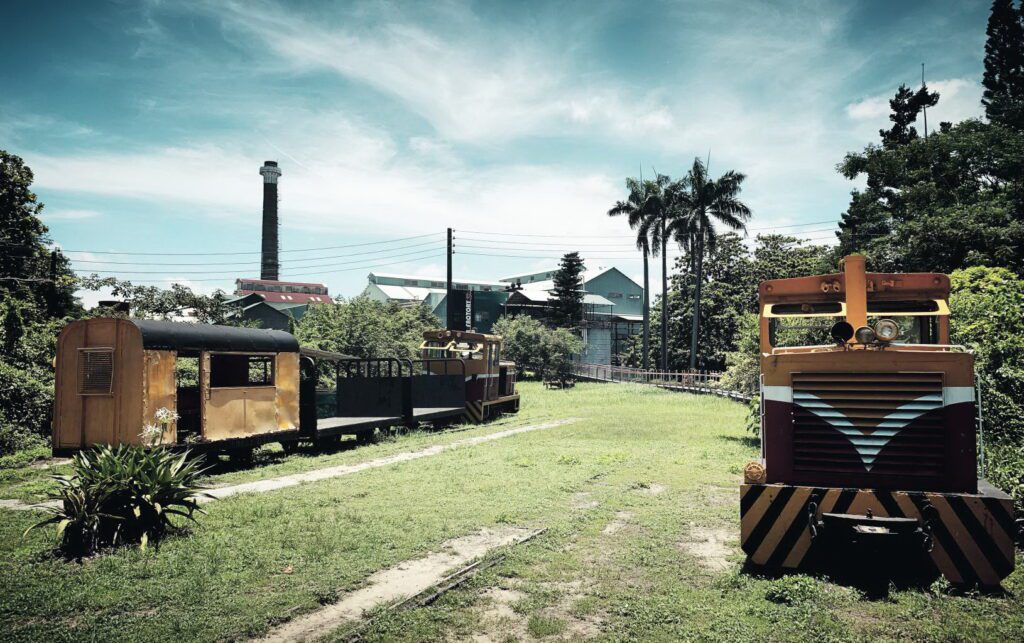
x: 706, y: 382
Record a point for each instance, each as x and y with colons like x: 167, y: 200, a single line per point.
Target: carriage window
x: 95, y: 371
x: 241, y: 370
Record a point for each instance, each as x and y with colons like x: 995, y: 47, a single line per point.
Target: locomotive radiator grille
x: 880, y: 422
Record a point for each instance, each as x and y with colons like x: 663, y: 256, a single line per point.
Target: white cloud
x: 68, y: 214
x: 474, y: 83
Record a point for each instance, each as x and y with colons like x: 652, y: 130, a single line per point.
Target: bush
x: 790, y: 590
x: 122, y: 495
x: 26, y: 403
x: 547, y: 353
x: 987, y: 315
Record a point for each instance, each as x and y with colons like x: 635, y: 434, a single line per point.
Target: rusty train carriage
x: 490, y: 381
x: 113, y: 375
x: 868, y: 442
x: 256, y: 386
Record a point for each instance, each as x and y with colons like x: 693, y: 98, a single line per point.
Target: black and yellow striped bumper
x: 972, y: 534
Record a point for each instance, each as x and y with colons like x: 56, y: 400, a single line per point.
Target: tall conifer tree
x: 1004, y: 65
x: 567, y: 311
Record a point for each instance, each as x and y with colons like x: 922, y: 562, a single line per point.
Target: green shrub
x: 122, y: 495
x: 790, y: 590
x: 26, y: 399
x: 546, y: 353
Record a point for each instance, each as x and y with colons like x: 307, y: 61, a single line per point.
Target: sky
x: 513, y: 123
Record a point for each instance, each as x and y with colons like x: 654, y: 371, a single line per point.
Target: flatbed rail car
x: 245, y: 387
x: 490, y: 381
x: 869, y: 455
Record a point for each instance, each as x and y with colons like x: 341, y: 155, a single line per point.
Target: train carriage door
x: 238, y: 395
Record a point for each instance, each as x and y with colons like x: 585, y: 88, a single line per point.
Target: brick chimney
x: 268, y: 259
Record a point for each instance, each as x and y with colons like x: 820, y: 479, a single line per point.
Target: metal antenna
x: 924, y: 108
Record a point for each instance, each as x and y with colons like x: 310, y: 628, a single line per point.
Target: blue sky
x: 146, y: 122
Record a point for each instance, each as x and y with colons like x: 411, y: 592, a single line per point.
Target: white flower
x: 151, y: 434
x: 165, y: 415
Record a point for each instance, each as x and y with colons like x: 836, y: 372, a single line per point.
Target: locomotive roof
x: 167, y: 335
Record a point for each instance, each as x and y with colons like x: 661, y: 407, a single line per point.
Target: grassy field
x: 639, y: 498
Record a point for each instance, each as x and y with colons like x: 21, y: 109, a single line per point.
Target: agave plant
x: 123, y: 495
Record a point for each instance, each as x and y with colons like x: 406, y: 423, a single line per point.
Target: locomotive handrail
x: 446, y: 361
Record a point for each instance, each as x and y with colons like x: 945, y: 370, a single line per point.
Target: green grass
x: 662, y: 466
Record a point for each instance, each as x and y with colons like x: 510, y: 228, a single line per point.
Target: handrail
x: 692, y: 381
x: 446, y: 361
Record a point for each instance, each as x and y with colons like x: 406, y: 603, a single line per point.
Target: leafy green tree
x: 1004, y: 65
x: 700, y: 202
x: 537, y: 350
x: 938, y: 204
x: 362, y: 327
x: 638, y: 208
x: 29, y: 271
x: 567, y: 308
x: 153, y: 302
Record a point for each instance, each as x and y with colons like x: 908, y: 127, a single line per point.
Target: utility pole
x: 448, y: 283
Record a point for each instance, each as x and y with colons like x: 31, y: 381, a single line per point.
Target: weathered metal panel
x: 286, y: 379
x: 160, y: 390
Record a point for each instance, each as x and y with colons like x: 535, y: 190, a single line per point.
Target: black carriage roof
x: 167, y: 335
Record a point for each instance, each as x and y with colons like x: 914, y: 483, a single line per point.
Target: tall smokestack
x: 268, y: 258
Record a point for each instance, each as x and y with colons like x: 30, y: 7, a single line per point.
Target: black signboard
x: 460, y: 310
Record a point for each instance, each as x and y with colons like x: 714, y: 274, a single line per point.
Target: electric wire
x: 229, y: 274
x: 257, y: 252
x: 253, y: 262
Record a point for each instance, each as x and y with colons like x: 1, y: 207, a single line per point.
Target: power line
x: 219, y: 254
x: 254, y: 262
x: 231, y: 274
x: 327, y: 272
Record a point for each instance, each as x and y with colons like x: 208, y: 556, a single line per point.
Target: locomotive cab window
x: 228, y: 371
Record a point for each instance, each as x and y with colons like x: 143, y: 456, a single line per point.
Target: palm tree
x: 698, y: 203
x: 636, y: 208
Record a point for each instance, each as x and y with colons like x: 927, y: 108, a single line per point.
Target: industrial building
x: 613, y: 303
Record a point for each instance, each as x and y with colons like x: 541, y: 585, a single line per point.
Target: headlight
x: 842, y: 332
x: 864, y: 335
x: 887, y: 330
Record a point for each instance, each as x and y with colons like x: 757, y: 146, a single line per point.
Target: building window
x: 436, y: 284
x: 410, y: 282
x: 615, y: 295
x: 95, y: 371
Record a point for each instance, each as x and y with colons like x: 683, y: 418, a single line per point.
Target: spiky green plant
x: 123, y: 495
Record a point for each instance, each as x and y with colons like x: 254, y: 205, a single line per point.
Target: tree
x: 567, y: 308
x: 906, y: 105
x: 938, y: 204
x: 162, y: 303
x: 362, y: 327
x: 29, y: 271
x: 638, y: 209
x: 1004, y: 65
x: 536, y: 349
x: 700, y: 202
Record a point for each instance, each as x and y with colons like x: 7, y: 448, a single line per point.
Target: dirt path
x: 281, y: 482
x: 401, y: 581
